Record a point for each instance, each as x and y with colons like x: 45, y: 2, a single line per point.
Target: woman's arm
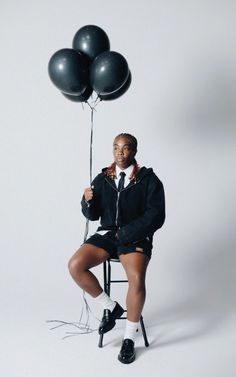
x: 90, y: 203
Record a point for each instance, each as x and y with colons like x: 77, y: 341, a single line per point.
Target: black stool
x: 107, y: 289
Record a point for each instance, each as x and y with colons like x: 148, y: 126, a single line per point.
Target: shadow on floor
x: 209, y: 300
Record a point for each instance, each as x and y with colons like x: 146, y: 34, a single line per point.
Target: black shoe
x: 127, y: 354
x: 109, y: 319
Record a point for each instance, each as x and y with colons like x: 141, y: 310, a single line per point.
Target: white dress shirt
x: 127, y: 171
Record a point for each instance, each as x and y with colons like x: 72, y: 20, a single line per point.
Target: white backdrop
x: 181, y: 107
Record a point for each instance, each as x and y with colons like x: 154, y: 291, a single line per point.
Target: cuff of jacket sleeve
x: 85, y: 202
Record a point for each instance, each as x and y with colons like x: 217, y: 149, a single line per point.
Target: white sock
x: 105, y: 301
x: 131, y: 329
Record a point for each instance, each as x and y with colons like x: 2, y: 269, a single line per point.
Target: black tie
x: 121, y: 181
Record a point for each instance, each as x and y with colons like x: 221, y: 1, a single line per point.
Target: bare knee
x: 137, y: 282
x: 76, y: 265
x: 86, y: 257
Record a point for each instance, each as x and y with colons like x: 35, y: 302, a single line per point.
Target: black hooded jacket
x: 136, y: 212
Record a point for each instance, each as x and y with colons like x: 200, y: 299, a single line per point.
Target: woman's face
x: 123, y: 152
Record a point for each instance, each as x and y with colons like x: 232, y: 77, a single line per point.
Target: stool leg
x: 109, y: 278
x: 144, y: 332
x: 105, y: 276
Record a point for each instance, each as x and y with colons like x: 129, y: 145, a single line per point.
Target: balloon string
x: 92, y: 108
x: 84, y: 328
x: 91, y: 148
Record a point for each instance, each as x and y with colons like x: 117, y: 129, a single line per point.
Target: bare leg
x: 135, y: 265
x: 86, y: 257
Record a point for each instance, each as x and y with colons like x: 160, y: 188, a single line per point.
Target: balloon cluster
x: 90, y: 66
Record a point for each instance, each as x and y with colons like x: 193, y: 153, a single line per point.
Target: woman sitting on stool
x: 130, y: 203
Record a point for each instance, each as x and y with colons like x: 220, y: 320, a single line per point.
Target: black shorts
x: 115, y: 248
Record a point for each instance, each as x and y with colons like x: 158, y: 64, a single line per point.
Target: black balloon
x: 91, y: 40
x: 118, y: 93
x: 69, y: 71
x: 82, y: 97
x: 108, y: 72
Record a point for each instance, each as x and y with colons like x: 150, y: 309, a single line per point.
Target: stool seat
x: 107, y: 288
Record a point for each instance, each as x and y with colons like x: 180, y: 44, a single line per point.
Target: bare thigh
x: 88, y: 256
x: 135, y: 265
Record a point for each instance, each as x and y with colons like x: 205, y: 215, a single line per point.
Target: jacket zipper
x: 118, y: 195
x: 117, y: 202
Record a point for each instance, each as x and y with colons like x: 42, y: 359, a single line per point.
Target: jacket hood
x: 143, y: 172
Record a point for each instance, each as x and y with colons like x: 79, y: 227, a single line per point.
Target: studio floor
x: 177, y: 349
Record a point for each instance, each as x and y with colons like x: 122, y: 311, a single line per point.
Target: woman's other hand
x: 88, y: 193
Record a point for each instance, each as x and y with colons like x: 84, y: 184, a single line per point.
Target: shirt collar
x: 127, y: 171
